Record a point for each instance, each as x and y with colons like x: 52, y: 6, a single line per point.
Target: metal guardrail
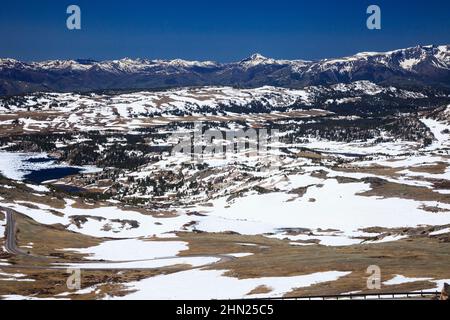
x: 365, y: 296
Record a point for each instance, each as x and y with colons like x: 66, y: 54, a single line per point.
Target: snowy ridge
x: 189, y: 101
x: 420, y: 65
x: 403, y: 59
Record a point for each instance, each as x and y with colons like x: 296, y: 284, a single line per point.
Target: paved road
x: 10, y: 233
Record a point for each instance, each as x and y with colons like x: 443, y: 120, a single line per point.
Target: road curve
x: 10, y: 234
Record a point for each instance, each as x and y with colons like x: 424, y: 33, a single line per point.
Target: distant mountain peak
x: 256, y: 59
x: 257, y: 56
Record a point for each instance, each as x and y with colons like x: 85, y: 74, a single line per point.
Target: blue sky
x: 216, y: 30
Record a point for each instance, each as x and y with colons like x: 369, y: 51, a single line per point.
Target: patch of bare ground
x: 375, y: 170
x: 412, y: 257
x: 299, y: 192
x: 435, y: 209
x: 260, y: 290
x: 437, y: 168
x: 78, y: 204
x: 319, y: 174
x: 386, y: 189
x: 48, y: 240
x: 223, y: 243
x: 49, y: 283
x: 422, y: 231
x: 10, y: 130
x: 442, y: 184
x: 343, y: 180
x: 310, y: 155
x: 39, y: 115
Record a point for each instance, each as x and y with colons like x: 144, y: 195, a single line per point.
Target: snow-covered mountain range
x: 416, y: 66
